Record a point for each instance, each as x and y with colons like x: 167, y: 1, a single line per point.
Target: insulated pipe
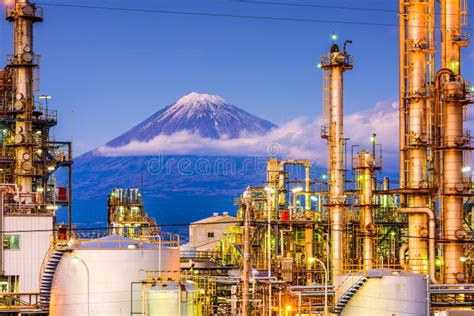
x: 431, y: 236
x: 366, y: 165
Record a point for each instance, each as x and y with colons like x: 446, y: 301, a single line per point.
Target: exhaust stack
x: 334, y: 64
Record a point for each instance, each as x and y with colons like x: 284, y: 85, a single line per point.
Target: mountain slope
x: 208, y: 115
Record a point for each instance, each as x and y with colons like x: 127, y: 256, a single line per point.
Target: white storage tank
x: 171, y: 299
x: 96, y: 277
x: 389, y: 292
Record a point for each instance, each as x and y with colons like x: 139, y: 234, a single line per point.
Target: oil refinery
x: 346, y: 241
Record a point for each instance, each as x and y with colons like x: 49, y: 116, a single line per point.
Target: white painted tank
x: 390, y: 293
x: 96, y: 277
x: 171, y: 299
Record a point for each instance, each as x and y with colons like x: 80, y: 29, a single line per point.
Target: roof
x: 115, y: 242
x: 217, y: 219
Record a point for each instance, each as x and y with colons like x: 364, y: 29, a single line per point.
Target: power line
x: 223, y: 15
x: 321, y: 6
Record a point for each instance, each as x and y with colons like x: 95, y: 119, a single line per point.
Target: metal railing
x: 19, y: 301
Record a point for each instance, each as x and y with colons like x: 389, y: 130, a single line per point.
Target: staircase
x: 346, y: 291
x: 47, y: 277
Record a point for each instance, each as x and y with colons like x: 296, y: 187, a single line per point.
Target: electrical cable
x: 235, y: 16
x: 321, y: 6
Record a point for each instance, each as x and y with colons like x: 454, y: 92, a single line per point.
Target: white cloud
x: 298, y: 138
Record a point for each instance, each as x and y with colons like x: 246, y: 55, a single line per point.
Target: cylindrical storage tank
x: 389, y: 292
x: 163, y: 299
x: 101, y: 276
x: 188, y: 300
x: 171, y: 299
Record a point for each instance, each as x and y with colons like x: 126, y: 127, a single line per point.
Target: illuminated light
x: 438, y: 262
x: 51, y: 168
x: 298, y: 189
x: 50, y: 207
x: 334, y: 36
x: 320, y: 65
x: 38, y: 132
x: 196, y: 272
x: 269, y: 190
x: 132, y: 246
x: 44, y: 96
x: 311, y: 260
x: 39, y: 151
x: 202, y: 291
x: 463, y: 258
x: 288, y: 308
x: 392, y: 233
x: 372, y: 139
x: 39, y: 190
x: 314, y: 198
x: 466, y: 169
x: 298, y: 202
x: 70, y: 243
x: 472, y: 89
x: 324, y: 176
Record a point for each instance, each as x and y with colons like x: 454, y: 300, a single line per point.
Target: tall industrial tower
x: 454, y: 141
x: 29, y: 196
x: 334, y: 64
x: 417, y: 50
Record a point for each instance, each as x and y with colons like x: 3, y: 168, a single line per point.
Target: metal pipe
x: 402, y: 255
x: 366, y: 167
x: 246, y: 257
x: 402, y: 87
x: 431, y: 236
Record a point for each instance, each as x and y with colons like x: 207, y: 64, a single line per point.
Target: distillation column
x: 365, y: 168
x: 23, y: 62
x: 334, y: 64
x: 453, y: 139
x: 416, y: 60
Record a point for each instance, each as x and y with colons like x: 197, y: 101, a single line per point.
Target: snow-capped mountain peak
x: 198, y: 99
x: 208, y: 115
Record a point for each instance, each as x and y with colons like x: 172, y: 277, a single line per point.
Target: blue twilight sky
x: 108, y: 70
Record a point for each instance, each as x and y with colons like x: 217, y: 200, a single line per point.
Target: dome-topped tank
x: 97, y: 276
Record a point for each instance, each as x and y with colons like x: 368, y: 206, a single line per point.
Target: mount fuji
x: 178, y: 177
x: 209, y: 116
